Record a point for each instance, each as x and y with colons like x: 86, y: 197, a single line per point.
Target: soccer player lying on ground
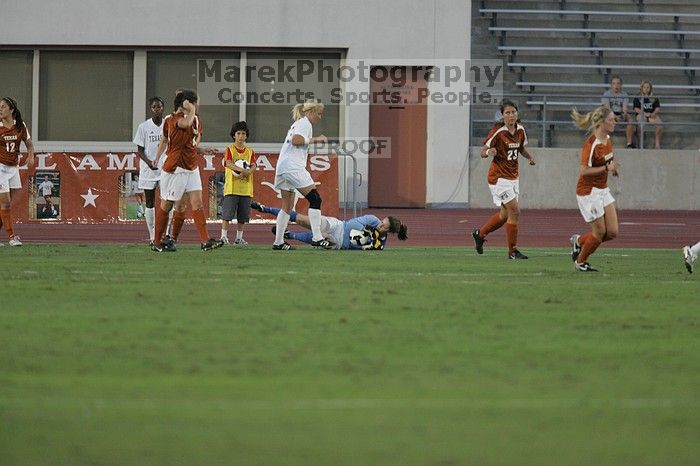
x: 367, y: 232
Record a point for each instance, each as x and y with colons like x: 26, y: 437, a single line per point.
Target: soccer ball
x: 360, y: 237
x: 240, y: 164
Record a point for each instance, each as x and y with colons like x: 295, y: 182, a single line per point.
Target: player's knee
x: 513, y: 212
x: 314, y: 199
x: 610, y: 234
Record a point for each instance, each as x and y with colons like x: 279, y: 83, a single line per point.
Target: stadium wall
x: 649, y: 180
x: 379, y: 32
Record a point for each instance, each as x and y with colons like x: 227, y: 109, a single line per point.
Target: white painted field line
x: 661, y: 224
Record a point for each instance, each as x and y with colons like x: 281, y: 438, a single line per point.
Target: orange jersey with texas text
x: 10, y: 139
x: 595, y: 153
x: 508, y: 148
x: 182, y: 143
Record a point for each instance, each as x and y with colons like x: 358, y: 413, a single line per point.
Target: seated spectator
x: 647, y: 107
x: 617, y: 100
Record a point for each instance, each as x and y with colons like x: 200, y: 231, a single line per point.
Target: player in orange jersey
x: 505, y: 143
x: 595, y: 202
x: 13, y: 131
x: 180, y: 174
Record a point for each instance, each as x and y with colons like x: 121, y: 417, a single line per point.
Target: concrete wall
x: 648, y: 180
x: 378, y: 32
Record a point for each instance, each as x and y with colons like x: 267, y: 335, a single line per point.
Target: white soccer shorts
x: 504, y: 191
x: 293, y: 180
x: 174, y: 185
x: 9, y: 178
x: 148, y: 179
x: 593, y: 205
x: 333, y: 230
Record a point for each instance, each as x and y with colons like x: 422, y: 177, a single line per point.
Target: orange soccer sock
x: 583, y: 238
x: 6, y: 217
x: 492, y: 224
x: 178, y: 222
x: 161, y: 224
x: 589, y: 244
x: 511, y: 236
x: 201, y: 224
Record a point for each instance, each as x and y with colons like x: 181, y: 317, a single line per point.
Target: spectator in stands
x: 617, y: 100
x: 647, y: 107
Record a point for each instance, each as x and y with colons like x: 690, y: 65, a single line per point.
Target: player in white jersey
x: 690, y: 255
x: 147, y: 138
x: 291, y: 174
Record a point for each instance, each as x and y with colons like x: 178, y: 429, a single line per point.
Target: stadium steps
x: 485, y: 46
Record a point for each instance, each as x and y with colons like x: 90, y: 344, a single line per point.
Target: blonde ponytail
x: 300, y: 110
x: 590, y: 120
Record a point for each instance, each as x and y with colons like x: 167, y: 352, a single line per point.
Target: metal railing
x: 356, y: 176
x: 544, y: 107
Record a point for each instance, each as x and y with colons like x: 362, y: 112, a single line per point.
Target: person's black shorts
x: 236, y: 206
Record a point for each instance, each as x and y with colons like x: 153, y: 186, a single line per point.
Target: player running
x: 505, y: 143
x: 595, y: 202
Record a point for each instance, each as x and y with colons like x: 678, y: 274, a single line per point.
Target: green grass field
x: 113, y: 355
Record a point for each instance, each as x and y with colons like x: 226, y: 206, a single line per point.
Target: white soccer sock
x: 169, y: 230
x: 239, y: 234
x: 695, y: 249
x: 224, y: 231
x: 315, y: 221
x: 150, y: 216
x: 282, y: 221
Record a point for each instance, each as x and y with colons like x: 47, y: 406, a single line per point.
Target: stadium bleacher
x: 566, y: 52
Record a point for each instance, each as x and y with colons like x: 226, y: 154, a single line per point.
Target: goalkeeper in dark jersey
x: 367, y: 232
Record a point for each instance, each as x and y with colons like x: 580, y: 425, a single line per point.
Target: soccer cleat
x: 688, y: 258
x: 286, y: 233
x: 585, y: 267
x: 169, y: 245
x: 241, y: 242
x: 14, y: 241
x: 282, y: 247
x: 575, y: 248
x: 157, y: 248
x: 256, y: 205
x: 212, y: 244
x: 323, y: 243
x: 516, y: 255
x: 478, y: 241
x: 224, y: 240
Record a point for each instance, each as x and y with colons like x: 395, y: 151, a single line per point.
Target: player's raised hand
x: 187, y: 105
